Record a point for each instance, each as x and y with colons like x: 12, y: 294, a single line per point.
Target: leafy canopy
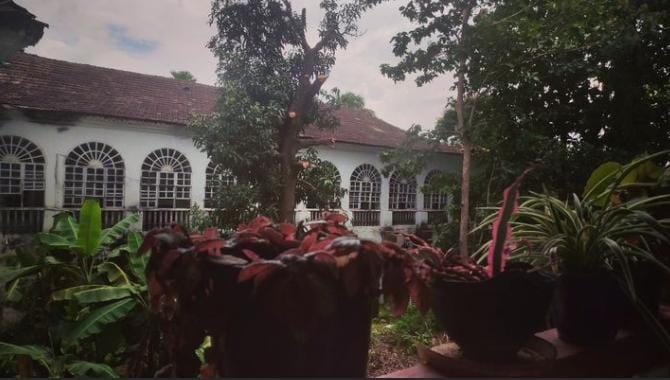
x: 270, y: 78
x: 183, y: 75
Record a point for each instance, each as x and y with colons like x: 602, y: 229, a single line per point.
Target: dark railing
x: 159, y: 218
x: 404, y: 218
x: 109, y: 217
x: 437, y: 217
x: 365, y: 218
x: 21, y: 220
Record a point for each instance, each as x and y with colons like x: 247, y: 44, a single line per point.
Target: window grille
x: 432, y: 200
x: 216, y: 179
x: 94, y: 170
x: 402, y: 193
x: 166, y: 180
x: 365, y: 188
x: 21, y: 173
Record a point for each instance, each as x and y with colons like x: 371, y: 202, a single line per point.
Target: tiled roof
x: 38, y: 83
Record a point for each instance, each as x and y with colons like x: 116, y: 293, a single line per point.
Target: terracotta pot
x: 491, y: 320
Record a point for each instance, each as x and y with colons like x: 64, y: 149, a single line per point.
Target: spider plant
x: 587, y: 235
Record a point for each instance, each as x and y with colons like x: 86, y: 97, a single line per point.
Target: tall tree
x: 183, y: 75
x: 574, y: 83
x: 438, y: 45
x: 271, y: 77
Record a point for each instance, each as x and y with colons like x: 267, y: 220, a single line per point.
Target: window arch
x: 166, y: 180
x: 402, y: 193
x: 433, y: 200
x: 402, y: 199
x: 216, y: 178
x: 365, y: 188
x: 21, y: 173
x: 94, y: 170
x: 324, y: 176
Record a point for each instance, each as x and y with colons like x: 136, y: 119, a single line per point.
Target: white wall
x: 135, y: 140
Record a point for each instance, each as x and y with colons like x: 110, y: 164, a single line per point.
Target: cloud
x: 131, y: 45
x: 156, y: 36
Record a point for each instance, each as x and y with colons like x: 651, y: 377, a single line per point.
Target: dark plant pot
x: 648, y: 281
x: 588, y: 309
x: 491, y: 320
x: 257, y: 344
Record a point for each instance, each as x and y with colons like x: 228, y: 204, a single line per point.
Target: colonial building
x: 71, y: 131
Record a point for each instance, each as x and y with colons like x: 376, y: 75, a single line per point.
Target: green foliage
x: 267, y: 72
x: 319, y: 185
x: 57, y: 365
x: 183, y: 75
x: 585, y: 235
x: 407, y: 330
x: 563, y: 84
x: 574, y: 83
x: 81, y: 281
x: 337, y: 99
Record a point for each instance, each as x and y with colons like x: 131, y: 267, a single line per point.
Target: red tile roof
x: 38, y: 83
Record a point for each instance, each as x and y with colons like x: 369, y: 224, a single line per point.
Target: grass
x: 393, y: 341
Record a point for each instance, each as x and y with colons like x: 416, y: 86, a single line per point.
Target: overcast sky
x: 156, y: 36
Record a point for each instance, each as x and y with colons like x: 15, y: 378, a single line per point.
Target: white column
x: 54, y: 174
x: 131, y: 192
x: 386, y: 214
x: 198, y: 176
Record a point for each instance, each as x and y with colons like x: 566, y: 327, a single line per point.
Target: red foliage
x: 500, y: 247
x: 295, y: 274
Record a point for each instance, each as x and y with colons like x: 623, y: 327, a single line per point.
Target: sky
x: 156, y: 36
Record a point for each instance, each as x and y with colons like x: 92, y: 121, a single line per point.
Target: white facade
x: 135, y: 140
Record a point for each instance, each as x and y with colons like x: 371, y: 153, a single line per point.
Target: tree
x: 183, y: 75
x: 347, y: 99
x: 271, y: 77
x: 439, y: 44
x: 580, y: 83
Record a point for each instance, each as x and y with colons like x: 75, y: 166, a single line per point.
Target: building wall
x: 135, y: 140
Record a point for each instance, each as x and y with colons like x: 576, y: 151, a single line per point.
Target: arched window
x: 21, y: 173
x: 325, y: 179
x: 166, y: 180
x: 432, y: 199
x: 364, y: 194
x: 434, y: 202
x: 216, y: 179
x: 402, y: 199
x: 94, y: 170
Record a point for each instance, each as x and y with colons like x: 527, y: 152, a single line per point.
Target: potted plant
x: 275, y: 299
x: 645, y: 179
x: 490, y: 312
x: 593, y: 245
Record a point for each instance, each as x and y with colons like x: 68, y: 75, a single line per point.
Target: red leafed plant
x: 312, y: 286
x: 431, y: 262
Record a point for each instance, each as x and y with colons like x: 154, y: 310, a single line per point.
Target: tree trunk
x: 289, y: 175
x: 465, y: 179
x: 465, y: 140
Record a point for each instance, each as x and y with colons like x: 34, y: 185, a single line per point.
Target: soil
x: 387, y: 356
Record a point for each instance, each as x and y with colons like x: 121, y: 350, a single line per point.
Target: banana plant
x: 95, y: 281
x: 113, y: 298
x: 55, y: 365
